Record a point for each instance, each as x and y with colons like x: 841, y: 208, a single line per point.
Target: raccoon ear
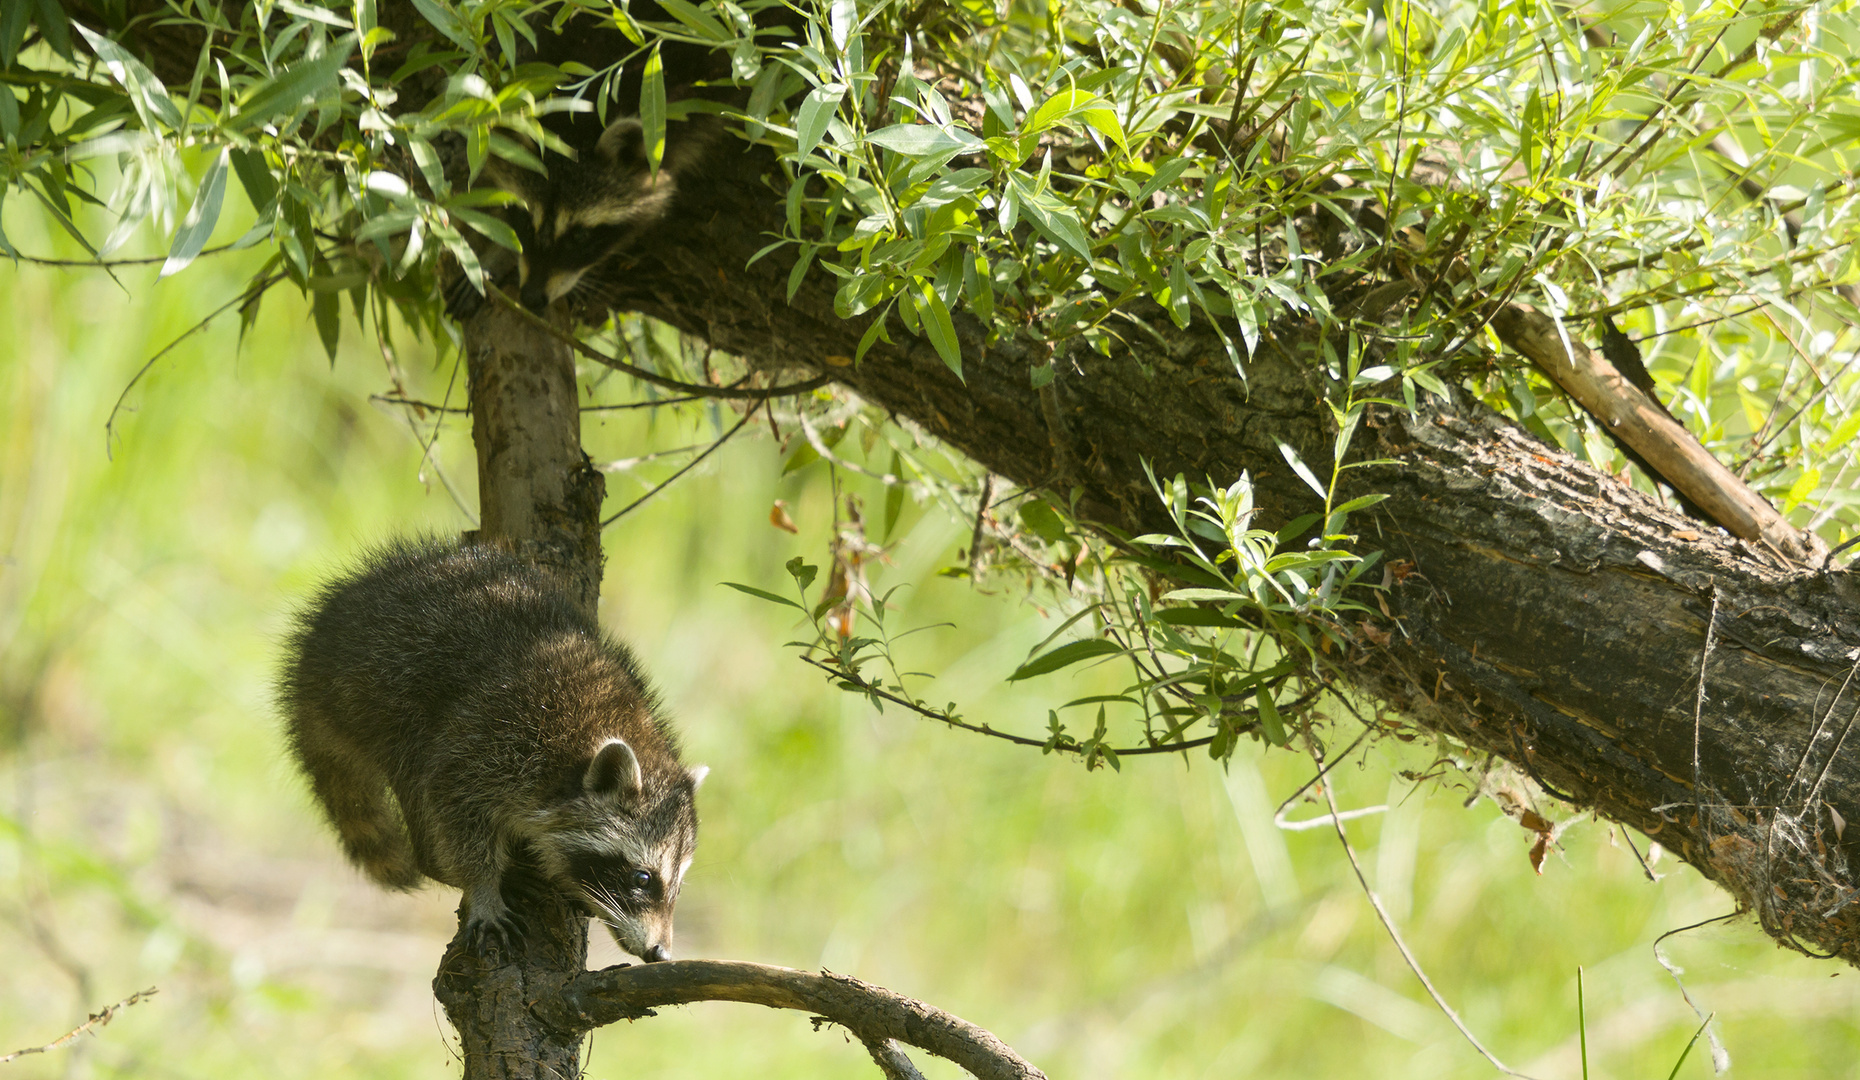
x: 614, y: 771
x: 697, y: 774
x: 623, y: 143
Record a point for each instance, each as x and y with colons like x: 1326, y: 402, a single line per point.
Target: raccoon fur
x: 507, y: 729
x: 586, y: 209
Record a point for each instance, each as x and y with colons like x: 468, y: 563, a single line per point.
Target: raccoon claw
x: 503, y: 935
x: 463, y: 301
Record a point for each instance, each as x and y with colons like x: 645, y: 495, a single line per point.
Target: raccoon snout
x: 534, y: 296
x: 656, y: 953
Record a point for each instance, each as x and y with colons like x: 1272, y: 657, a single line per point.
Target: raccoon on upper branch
x: 587, y: 208
x: 599, y: 201
x: 507, y: 728
x: 583, y: 211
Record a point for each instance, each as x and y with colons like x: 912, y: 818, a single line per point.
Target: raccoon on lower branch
x: 508, y: 729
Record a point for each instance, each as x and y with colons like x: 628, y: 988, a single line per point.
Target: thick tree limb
x: 1554, y: 617
x: 872, y: 1013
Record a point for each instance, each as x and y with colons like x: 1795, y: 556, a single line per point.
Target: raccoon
x: 587, y: 208
x: 507, y: 728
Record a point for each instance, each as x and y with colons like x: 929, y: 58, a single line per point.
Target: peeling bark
x: 1663, y: 444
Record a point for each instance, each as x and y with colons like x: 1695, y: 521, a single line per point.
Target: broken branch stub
x: 1606, y: 394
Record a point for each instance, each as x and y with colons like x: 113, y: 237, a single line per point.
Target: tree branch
x: 872, y: 1013
x: 1643, y: 424
x: 97, y: 1020
x: 1552, y: 616
x: 728, y: 393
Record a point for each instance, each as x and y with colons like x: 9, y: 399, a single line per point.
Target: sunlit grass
x: 1149, y: 923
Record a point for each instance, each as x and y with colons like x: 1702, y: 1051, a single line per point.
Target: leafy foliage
x: 1385, y: 175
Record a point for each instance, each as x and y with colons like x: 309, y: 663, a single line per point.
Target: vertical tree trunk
x: 539, y: 495
x: 537, y: 491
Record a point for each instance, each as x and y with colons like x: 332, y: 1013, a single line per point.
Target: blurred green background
x: 1150, y: 924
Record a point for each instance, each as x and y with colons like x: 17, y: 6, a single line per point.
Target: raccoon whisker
x: 602, y: 898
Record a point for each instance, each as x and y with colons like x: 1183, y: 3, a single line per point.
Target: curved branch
x: 1068, y: 744
x: 872, y: 1013
x: 105, y: 264
x: 246, y: 295
x: 640, y: 373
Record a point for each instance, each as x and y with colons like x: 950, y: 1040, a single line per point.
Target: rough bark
x: 537, y: 490
x: 1658, y: 440
x: 488, y: 996
x: 1555, y: 617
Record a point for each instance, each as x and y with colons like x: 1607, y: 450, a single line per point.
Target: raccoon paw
x: 463, y: 301
x: 489, y: 923
x: 504, y: 935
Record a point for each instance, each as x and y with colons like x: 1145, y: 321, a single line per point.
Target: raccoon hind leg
x: 354, y: 793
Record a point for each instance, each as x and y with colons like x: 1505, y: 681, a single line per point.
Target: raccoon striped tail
x: 354, y: 794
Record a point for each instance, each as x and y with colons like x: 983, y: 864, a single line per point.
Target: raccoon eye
x: 640, y: 878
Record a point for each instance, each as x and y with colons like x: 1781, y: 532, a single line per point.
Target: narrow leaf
x: 1195, y: 616
x: 923, y: 140
x: 764, y: 594
x: 9, y: 113
x: 1065, y: 656
x: 1291, y: 458
x: 697, y: 19
x: 1215, y: 595
x: 941, y: 330
x: 255, y: 176
x: 447, y: 22
x: 894, y: 497
x: 816, y: 110
x: 493, y: 228
x: 1043, y: 521
x: 303, y: 80
x: 652, y: 109
x: 197, y: 226
x: 1058, y: 221
x: 1269, y: 722
x: 326, y: 306
x: 146, y: 92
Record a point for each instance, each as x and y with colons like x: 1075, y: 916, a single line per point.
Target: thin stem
x: 692, y: 464
x: 694, y: 389
x: 1388, y: 923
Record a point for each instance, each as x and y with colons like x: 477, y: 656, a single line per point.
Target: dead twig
x: 97, y: 1020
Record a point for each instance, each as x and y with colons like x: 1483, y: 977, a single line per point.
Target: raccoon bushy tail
x: 354, y: 794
